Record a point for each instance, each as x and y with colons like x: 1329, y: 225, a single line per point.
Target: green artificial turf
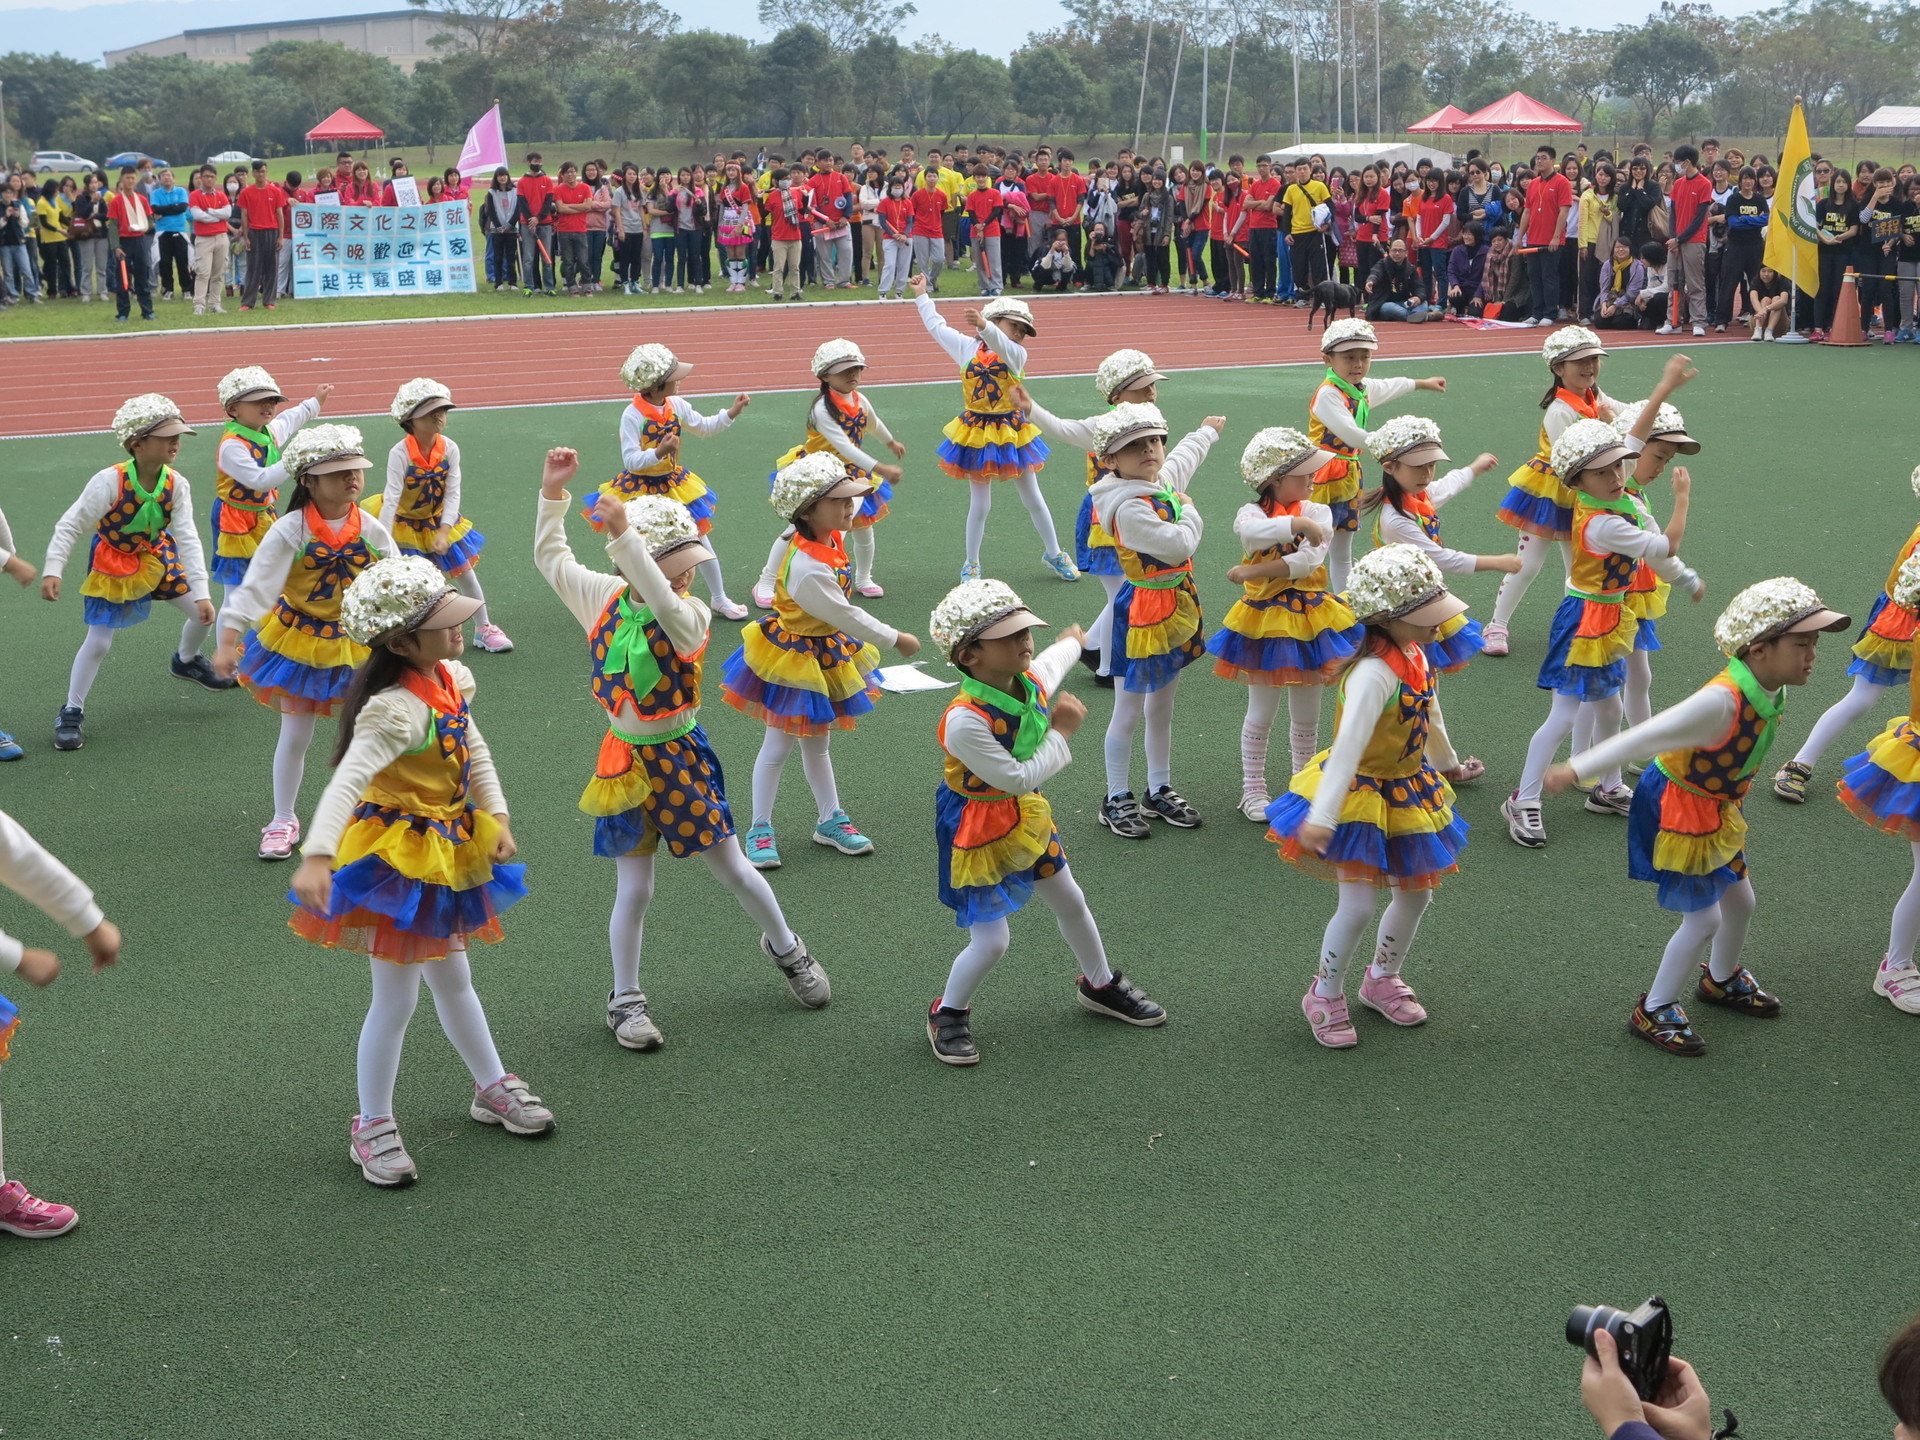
x: 798, y: 1224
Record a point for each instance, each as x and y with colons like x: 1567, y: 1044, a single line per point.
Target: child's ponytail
x: 380, y: 671
x: 1388, y: 493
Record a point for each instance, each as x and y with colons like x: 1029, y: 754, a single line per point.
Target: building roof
x: 314, y: 20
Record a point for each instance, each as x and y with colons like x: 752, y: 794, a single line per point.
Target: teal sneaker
x: 837, y: 830
x: 10, y: 748
x: 762, y: 853
x: 1062, y: 565
x: 970, y: 570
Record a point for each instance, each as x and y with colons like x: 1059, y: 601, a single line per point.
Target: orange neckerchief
x: 426, y: 462
x: 348, y: 532
x: 658, y: 414
x: 828, y: 552
x: 1588, y: 404
x: 1409, y: 665
x: 1417, y: 503
x: 848, y: 405
x: 1275, y: 509
x: 437, y: 690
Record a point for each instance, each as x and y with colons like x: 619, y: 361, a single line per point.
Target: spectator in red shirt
x: 536, y: 227
x: 786, y: 208
x: 1690, y: 194
x: 261, y: 203
x: 1543, y: 226
x: 1070, y: 193
x: 571, y: 200
x: 1261, y: 196
x: 1433, y: 224
x: 397, y: 167
x: 984, y: 207
x: 1042, y: 191
x: 296, y: 193
x: 894, y: 218
x: 929, y: 228
x: 832, y: 209
x: 130, y: 226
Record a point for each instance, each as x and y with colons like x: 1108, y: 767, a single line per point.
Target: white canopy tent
x: 1891, y: 120
x: 1354, y: 157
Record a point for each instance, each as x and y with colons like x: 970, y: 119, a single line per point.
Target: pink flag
x: 486, y: 147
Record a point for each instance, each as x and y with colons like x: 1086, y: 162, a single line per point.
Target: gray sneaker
x: 375, y: 1146
x: 508, y: 1103
x: 1617, y: 801
x: 804, y: 976
x: 632, y: 1026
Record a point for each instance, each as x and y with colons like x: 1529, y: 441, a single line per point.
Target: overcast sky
x: 83, y: 30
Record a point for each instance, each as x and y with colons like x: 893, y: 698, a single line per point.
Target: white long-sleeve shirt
x: 1398, y: 529
x: 83, y: 518
x: 235, y: 459
x: 251, y: 601
x: 586, y: 593
x: 397, y: 461
x: 387, y: 727
x: 1608, y: 533
x: 825, y: 421
x: 7, y: 548
x: 1370, y: 687
x: 1139, y: 527
x: 1703, y: 718
x: 1256, y: 531
x: 635, y: 454
x: 29, y: 870
x: 811, y: 584
x: 969, y: 739
x: 1331, y: 410
x: 960, y: 347
x: 1077, y: 433
x: 1559, y: 415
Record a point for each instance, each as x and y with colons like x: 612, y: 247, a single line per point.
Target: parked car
x: 133, y: 157
x: 230, y: 157
x: 47, y: 162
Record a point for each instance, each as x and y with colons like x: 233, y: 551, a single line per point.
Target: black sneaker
x: 952, y: 1040
x: 1091, y: 659
x: 1121, y: 814
x: 68, y: 733
x: 200, y: 670
x: 1120, y: 999
x: 1168, y: 804
x: 1103, y: 682
x: 1739, y: 991
x: 1667, y: 1027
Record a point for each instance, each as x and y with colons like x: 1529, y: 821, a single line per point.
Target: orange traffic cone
x: 1846, y: 313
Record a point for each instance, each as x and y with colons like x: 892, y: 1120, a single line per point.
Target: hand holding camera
x: 1631, y: 1374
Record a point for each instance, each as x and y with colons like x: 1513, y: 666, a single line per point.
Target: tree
x: 557, y: 34
x: 1047, y: 85
x: 42, y: 90
x: 846, y: 23
x: 484, y: 26
x: 791, y: 71
x: 881, y: 65
x: 433, y: 110
x: 1663, y: 65
x: 971, y: 92
x: 618, y: 105
x: 702, y: 74
x: 327, y: 76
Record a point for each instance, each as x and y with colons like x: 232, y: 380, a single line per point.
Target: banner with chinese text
x: 350, y: 251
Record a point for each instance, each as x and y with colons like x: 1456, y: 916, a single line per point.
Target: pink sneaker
x: 763, y: 596
x: 1331, y: 1025
x: 492, y: 639
x: 1392, y: 997
x: 1495, y: 636
x: 869, y: 591
x: 31, y: 1219
x: 278, y: 839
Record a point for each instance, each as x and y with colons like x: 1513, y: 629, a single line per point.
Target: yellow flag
x: 1792, y: 246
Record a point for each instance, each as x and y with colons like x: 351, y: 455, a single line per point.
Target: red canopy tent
x: 1440, y: 122
x: 343, y: 125
x: 1517, y: 114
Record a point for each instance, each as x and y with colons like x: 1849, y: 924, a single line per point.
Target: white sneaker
x: 1523, y: 823
x: 1667, y: 330
x: 376, y: 1147
x: 804, y: 976
x: 1901, y: 986
x: 632, y: 1026
x: 508, y: 1103
x: 1699, y: 329
x: 1253, y: 805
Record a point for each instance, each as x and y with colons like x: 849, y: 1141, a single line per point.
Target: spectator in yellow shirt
x: 1306, y: 241
x: 52, y: 219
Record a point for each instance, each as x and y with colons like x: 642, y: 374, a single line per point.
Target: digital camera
x: 1644, y: 1339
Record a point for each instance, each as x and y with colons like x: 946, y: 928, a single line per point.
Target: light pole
x: 3, y: 126
x: 1140, y: 110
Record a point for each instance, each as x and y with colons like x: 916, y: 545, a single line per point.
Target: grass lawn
x: 798, y: 1224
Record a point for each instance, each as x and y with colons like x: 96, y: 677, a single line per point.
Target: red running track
x: 69, y: 385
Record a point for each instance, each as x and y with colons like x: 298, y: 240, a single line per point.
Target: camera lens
x: 1586, y: 1319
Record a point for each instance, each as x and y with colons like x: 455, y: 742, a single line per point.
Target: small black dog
x: 1331, y: 295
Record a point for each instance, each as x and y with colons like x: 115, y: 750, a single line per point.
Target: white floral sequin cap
x: 417, y: 397
x: 1667, y: 426
x: 837, y: 355
x: 979, y: 610
x: 1916, y: 479
x: 1124, y: 424
x: 813, y: 477
x: 1349, y: 334
x: 1398, y: 582
x: 249, y: 382
x: 648, y: 365
x: 322, y: 449
x: 148, y: 417
x: 1407, y: 439
x: 1770, y: 609
x: 1586, y: 445
x: 668, y: 529
x: 398, y: 594
x: 1009, y: 309
x: 1279, y: 450
x: 1906, y: 585
x: 1122, y: 371
x: 1571, y: 342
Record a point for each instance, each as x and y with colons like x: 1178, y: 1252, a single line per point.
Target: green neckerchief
x: 1358, y: 396
x: 1623, y: 506
x: 151, y: 518
x: 1172, y: 501
x: 1768, y: 707
x: 258, y: 437
x: 628, y: 649
x: 1033, y: 720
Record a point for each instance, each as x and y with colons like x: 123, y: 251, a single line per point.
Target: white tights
x: 1636, y: 703
x: 1852, y: 706
x: 99, y: 639
x: 987, y: 942
x: 1303, y: 731
x: 980, y: 502
x: 1100, y: 633
x: 1399, y: 923
x: 468, y: 585
x: 396, y: 990
x: 290, y: 763
x: 634, y: 892
x: 716, y: 586
x: 815, y: 762
x: 1906, y: 919
x: 1722, y: 925
x: 1129, y: 706
x: 1602, y: 718
x: 1533, y: 555
x: 1340, y: 558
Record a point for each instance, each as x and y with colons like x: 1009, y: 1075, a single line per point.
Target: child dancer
x: 806, y: 670
x: 1002, y: 738
x: 1288, y: 632
x: 1687, y: 833
x: 1594, y: 629
x: 1126, y: 377
x: 650, y: 432
x: 1374, y: 811
x: 1881, y: 785
x: 421, y: 503
x: 1337, y: 421
x: 300, y: 661
x: 407, y: 861
x: 992, y: 439
x: 137, y: 518
x: 27, y: 869
x: 248, y: 472
x: 1537, y: 504
x: 1882, y: 660
x: 839, y: 421
x: 657, y: 777
x: 1156, y: 631
x: 22, y: 574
